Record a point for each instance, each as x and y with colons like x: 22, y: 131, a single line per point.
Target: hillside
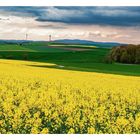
x: 69, y: 56
x: 36, y: 99
x: 87, y: 42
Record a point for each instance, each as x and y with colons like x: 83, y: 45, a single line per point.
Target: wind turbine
x: 50, y: 38
x: 26, y: 36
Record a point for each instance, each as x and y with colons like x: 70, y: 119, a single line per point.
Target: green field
x: 66, y: 56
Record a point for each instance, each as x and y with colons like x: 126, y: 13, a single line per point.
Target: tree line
x: 124, y: 54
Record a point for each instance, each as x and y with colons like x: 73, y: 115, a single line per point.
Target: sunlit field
x: 35, y: 99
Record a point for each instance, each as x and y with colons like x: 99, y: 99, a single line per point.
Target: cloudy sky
x: 119, y: 24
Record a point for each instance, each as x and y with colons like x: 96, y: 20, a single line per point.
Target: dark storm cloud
x: 22, y: 11
x: 114, y: 16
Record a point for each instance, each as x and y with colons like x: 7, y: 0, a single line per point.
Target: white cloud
x: 17, y: 27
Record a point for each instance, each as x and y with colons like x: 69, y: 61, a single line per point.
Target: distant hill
x: 13, y: 41
x: 87, y: 42
x: 70, y: 41
x: 18, y: 41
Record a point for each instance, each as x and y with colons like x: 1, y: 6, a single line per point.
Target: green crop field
x: 13, y: 47
x: 65, y: 56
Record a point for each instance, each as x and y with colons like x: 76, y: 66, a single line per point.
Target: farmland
x: 38, y: 100
x: 91, y: 60
x: 45, y: 88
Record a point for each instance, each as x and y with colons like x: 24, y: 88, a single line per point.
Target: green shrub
x: 9, y: 56
x: 108, y: 60
x: 1, y: 56
x: 25, y: 56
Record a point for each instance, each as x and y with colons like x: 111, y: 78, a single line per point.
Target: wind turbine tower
x: 50, y: 38
x: 26, y: 37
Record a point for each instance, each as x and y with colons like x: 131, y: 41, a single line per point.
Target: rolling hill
x: 68, y: 56
x: 87, y: 42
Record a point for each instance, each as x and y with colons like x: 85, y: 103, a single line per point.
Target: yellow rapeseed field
x: 36, y: 99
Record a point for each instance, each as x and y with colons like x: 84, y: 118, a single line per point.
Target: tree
x: 137, y: 60
x: 125, y: 54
